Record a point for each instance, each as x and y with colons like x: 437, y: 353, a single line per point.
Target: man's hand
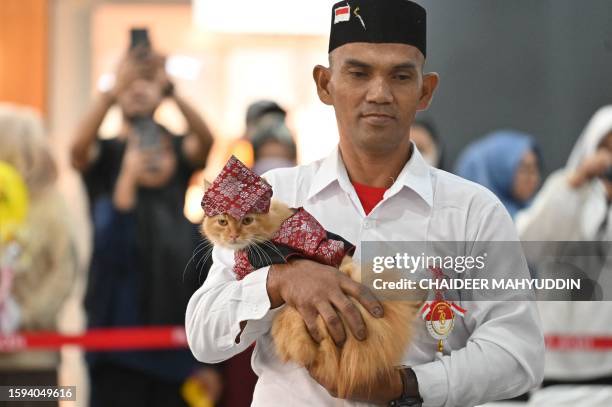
x: 314, y: 289
x: 388, y: 389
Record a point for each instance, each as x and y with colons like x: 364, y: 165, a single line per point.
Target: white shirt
x: 497, y: 349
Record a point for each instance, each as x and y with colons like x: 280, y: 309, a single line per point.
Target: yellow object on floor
x: 195, y: 394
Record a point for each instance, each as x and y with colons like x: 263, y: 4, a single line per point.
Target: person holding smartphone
x: 574, y: 205
x: 136, y: 184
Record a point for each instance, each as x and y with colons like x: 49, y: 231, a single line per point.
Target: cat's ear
x: 206, y: 185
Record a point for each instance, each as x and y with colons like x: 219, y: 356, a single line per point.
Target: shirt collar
x: 415, y: 175
x: 331, y: 169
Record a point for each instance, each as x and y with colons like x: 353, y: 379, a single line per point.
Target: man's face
x: 376, y: 90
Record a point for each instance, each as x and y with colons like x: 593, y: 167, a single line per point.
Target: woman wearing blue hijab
x: 508, y: 163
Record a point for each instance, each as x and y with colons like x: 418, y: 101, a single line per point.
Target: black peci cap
x: 378, y: 21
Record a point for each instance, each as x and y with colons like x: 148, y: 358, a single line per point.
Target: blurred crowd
x: 148, y: 258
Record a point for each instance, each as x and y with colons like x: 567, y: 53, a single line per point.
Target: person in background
x: 263, y: 111
x: 273, y: 146
x: 508, y: 163
x: 143, y: 243
x: 428, y: 142
x: 262, y: 117
x: 574, y: 205
x: 46, y: 261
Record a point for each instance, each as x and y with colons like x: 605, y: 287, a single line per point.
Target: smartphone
x: 149, y: 133
x: 139, y: 37
x: 140, y: 44
x: 149, y: 136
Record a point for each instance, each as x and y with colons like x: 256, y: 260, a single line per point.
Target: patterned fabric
x: 242, y: 265
x: 237, y: 191
x: 298, y: 236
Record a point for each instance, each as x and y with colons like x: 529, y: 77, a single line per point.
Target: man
x: 374, y: 187
x: 142, y: 242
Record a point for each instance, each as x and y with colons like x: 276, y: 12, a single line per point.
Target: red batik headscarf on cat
x: 238, y: 191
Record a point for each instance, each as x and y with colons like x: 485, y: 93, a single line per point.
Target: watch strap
x: 408, y: 383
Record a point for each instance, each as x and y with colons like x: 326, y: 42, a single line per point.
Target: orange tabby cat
x: 357, y: 364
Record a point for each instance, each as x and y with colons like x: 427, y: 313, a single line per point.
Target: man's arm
x: 383, y: 392
x: 502, y: 359
x: 215, y: 312
x: 504, y: 356
x: 225, y: 315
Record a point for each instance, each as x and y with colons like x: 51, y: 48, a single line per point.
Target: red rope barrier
x: 155, y: 337
x: 173, y: 337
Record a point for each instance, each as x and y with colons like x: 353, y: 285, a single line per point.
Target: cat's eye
x: 222, y: 222
x: 247, y: 221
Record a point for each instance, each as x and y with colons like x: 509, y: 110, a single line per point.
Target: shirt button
x: 368, y: 224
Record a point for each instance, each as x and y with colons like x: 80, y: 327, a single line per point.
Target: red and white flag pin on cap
x: 342, y: 14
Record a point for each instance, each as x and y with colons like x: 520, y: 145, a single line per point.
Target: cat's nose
x: 233, y: 237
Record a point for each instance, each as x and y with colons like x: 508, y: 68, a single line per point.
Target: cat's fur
x: 357, y: 364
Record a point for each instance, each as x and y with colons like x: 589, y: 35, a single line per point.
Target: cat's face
x: 224, y: 230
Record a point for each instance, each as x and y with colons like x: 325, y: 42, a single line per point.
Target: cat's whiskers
x: 207, y: 246
x: 203, y: 261
x: 199, y: 248
x: 203, y: 245
x: 263, y: 253
x: 249, y: 251
x: 257, y: 251
x: 272, y: 247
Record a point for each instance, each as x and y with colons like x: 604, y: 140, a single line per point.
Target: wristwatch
x: 409, y: 383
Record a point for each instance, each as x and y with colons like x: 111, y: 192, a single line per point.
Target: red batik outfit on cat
x: 238, y: 191
x: 299, y: 236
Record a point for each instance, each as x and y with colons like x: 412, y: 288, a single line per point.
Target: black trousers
x: 117, y: 386
x: 604, y: 380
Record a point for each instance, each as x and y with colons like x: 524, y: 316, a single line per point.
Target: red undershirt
x: 369, y: 196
